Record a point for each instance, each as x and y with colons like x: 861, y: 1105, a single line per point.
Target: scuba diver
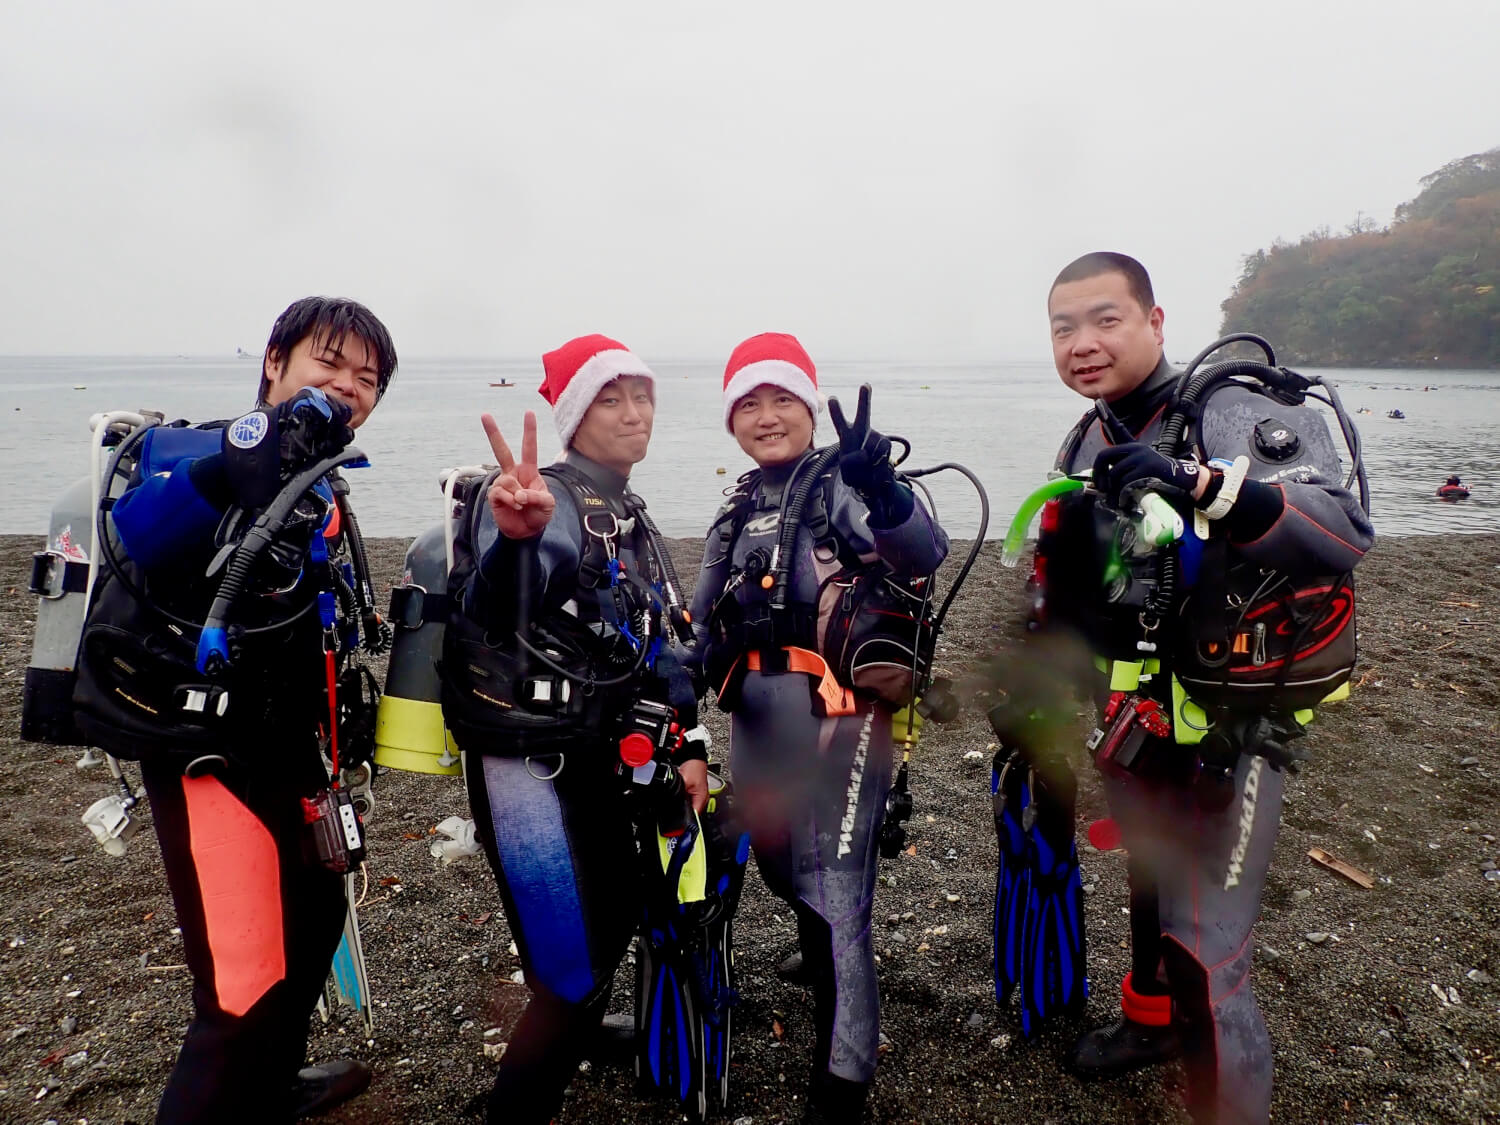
x: 811, y: 752
x: 237, y: 538
x: 1453, y: 489
x: 1213, y: 659
x: 562, y: 686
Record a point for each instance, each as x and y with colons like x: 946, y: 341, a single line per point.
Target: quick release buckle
x: 201, y: 699
x: 546, y: 691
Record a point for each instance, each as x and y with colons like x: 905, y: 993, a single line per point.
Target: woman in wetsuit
x: 812, y: 784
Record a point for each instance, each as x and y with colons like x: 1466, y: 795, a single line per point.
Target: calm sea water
x: 1003, y: 420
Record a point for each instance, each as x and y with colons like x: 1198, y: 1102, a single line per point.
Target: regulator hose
x: 213, y: 641
x: 117, y: 569
x: 791, y: 522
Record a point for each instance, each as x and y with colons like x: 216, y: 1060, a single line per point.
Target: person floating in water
x: 1453, y: 489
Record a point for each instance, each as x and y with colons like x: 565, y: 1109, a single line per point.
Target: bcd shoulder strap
x: 593, y: 561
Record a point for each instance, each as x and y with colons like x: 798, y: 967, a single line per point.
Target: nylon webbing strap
x: 53, y: 575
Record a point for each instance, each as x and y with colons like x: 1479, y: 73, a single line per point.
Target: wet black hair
x: 1107, y: 261
x: 331, y: 320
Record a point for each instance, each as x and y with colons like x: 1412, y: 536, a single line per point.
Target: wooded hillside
x: 1423, y: 291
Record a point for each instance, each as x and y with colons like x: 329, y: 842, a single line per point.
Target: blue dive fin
x: 1053, y: 977
x: 1013, y: 876
x: 670, y: 1031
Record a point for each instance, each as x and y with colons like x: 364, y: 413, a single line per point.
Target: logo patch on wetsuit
x: 856, y: 780
x: 1247, y: 825
x: 249, y: 431
x: 762, y: 525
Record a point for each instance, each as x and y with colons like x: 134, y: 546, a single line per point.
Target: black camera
x: 336, y: 836
x: 652, y: 721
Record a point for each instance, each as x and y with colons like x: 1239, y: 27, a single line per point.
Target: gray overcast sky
x: 887, y: 180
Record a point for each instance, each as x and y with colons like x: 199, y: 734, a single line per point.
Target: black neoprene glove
x: 691, y: 750
x: 267, y: 446
x: 311, y: 426
x: 865, y: 464
x: 1135, y: 464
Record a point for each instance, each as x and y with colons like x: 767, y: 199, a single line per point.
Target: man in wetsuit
x: 563, y: 559
x: 260, y: 918
x: 1197, y: 864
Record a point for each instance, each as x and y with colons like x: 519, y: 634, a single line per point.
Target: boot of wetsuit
x: 545, y: 1049
x: 1142, y: 1036
x: 835, y: 1101
x: 614, y: 1043
x: 318, y: 1089
x: 794, y: 970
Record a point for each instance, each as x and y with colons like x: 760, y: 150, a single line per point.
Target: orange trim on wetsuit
x: 239, y: 881
x: 837, y: 699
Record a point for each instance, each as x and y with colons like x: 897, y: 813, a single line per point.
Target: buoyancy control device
x: 181, y: 663
x: 876, y: 630
x: 116, y: 664
x: 1154, y: 593
x: 532, y: 688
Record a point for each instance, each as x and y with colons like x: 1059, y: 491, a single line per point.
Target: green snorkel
x: 1157, y: 525
x: 1015, y: 538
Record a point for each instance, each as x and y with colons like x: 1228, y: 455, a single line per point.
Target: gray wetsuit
x: 1197, y: 876
x: 813, y: 788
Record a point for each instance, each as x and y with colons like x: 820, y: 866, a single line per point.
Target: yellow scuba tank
x: 409, y: 729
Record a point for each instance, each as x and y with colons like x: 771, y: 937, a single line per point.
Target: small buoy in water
x: 720, y: 470
x: 925, y: 387
x: 79, y: 387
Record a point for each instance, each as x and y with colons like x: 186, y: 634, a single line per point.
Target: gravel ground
x: 1382, y: 1003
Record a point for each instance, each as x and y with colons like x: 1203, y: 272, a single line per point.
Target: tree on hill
x: 1426, y: 289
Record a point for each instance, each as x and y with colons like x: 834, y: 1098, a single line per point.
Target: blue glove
x: 865, y: 464
x: 1135, y: 466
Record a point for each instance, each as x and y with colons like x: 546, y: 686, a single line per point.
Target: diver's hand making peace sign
x: 520, y: 501
x: 864, y: 454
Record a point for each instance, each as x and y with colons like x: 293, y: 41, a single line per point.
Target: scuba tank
x: 59, y: 576
x: 63, y: 577
x: 409, y: 729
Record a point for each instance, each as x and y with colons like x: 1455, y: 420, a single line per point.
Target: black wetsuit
x: 556, y: 826
x: 1197, y: 876
x: 812, y: 789
x: 260, y: 922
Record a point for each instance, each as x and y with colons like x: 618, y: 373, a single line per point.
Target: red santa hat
x: 575, y: 373
x: 776, y: 359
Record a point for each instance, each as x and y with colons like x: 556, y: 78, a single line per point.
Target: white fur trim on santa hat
x: 775, y: 373
x: 601, y: 369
